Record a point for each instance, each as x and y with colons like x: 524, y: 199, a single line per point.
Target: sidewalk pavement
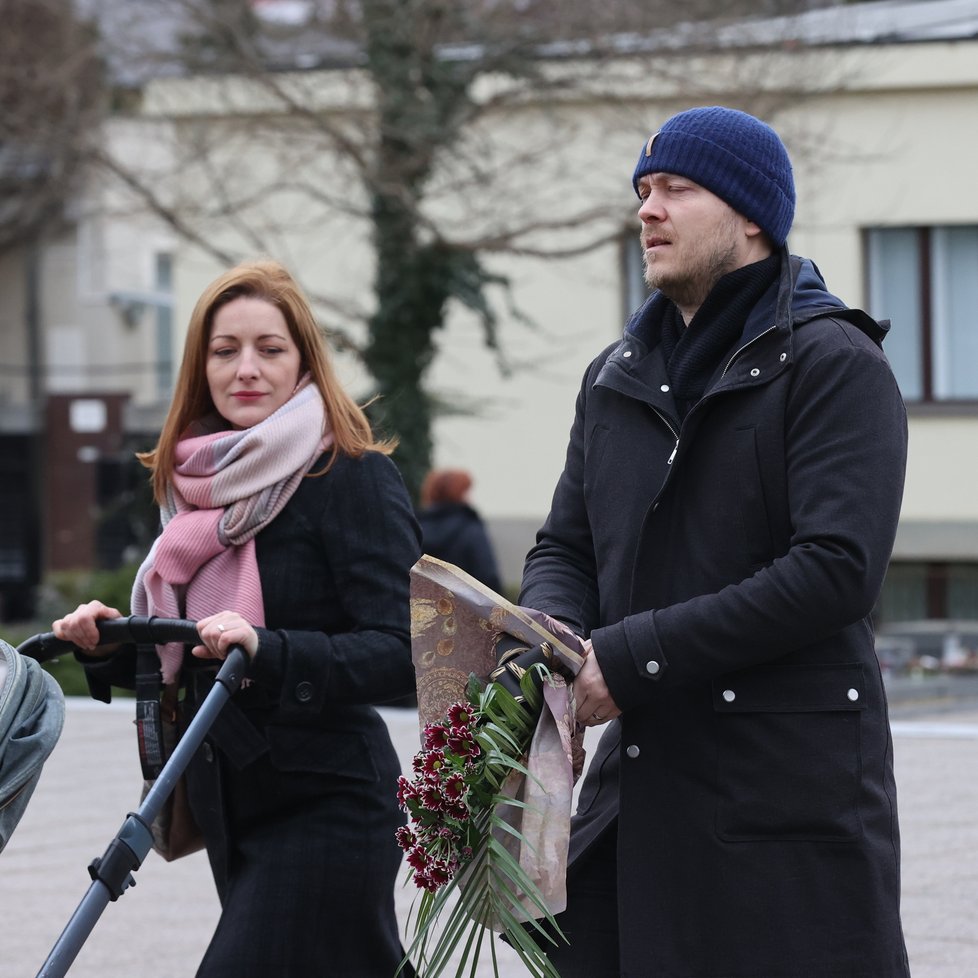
x: 160, y: 927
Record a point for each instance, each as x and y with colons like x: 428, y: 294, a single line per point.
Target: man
x: 720, y: 532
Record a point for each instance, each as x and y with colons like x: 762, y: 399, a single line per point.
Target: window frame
x: 928, y: 402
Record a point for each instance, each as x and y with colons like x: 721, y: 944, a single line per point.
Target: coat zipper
x: 665, y: 420
x: 744, y: 347
x: 675, y: 434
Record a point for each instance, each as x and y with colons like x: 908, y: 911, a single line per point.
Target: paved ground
x: 160, y: 927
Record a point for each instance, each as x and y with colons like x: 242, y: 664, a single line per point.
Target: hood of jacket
x: 798, y: 296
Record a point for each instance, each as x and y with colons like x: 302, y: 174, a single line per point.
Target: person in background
x: 451, y: 528
x: 720, y: 534
x: 287, y: 530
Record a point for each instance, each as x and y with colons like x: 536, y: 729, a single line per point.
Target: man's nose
x: 651, y: 208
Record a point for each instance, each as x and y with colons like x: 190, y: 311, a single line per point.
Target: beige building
x: 878, y: 104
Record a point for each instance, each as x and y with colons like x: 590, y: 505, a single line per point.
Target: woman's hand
x: 219, y: 632
x: 81, y: 629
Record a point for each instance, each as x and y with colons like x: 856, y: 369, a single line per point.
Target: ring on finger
x: 220, y: 628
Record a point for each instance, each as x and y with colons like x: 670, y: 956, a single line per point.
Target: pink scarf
x: 226, y: 486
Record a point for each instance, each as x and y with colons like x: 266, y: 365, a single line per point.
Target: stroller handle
x: 133, y: 628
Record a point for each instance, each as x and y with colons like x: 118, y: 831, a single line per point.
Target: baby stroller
x: 32, y: 715
x: 112, y: 872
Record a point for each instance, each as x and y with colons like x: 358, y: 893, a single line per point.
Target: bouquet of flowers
x: 490, y: 796
x: 461, y: 840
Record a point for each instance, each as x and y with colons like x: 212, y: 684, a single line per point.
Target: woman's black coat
x: 295, y: 787
x: 725, y: 570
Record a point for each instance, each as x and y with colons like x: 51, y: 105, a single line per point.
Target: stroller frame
x: 112, y: 872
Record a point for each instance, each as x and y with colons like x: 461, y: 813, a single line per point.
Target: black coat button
x: 303, y: 692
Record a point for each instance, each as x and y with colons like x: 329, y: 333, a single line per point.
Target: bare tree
x: 50, y: 106
x: 394, y: 95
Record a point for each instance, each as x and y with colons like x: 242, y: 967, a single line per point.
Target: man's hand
x: 594, y: 702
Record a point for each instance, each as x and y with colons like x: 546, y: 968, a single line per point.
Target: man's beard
x: 689, y: 286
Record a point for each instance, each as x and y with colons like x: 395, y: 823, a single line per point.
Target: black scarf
x: 692, y: 353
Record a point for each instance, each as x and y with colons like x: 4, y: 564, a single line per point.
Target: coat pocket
x: 755, y: 515
x: 594, y: 452
x: 788, y: 753
x: 310, y: 750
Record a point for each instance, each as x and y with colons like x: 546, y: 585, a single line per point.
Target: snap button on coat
x: 303, y: 692
x: 633, y: 750
x: 652, y: 667
x: 853, y: 695
x: 729, y: 696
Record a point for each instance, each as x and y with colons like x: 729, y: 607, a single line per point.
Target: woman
x: 451, y: 528
x: 286, y: 530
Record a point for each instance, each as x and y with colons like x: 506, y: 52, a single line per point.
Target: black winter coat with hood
x: 725, y: 569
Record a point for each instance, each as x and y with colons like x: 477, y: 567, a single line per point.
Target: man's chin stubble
x: 681, y: 293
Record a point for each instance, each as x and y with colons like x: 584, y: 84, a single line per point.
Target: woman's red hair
x: 271, y: 282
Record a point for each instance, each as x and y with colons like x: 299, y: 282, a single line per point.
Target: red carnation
x: 462, y: 743
x: 439, y: 872
x: 460, y: 715
x: 454, y: 787
x: 432, y: 762
x: 431, y: 797
x: 435, y: 736
x: 405, y: 838
x: 406, y: 791
x: 418, y: 860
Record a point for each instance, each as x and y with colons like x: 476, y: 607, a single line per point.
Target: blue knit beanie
x: 735, y: 156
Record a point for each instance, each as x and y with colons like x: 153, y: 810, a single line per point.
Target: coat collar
x: 635, y: 367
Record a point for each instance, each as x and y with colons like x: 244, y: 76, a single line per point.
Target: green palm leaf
x: 489, y: 892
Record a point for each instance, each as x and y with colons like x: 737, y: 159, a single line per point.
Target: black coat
x: 455, y: 532
x: 725, y: 570
x: 295, y: 787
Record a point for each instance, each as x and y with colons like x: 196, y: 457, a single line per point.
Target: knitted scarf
x: 692, y: 353
x: 226, y: 486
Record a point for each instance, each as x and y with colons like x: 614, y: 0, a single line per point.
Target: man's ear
x: 751, y: 229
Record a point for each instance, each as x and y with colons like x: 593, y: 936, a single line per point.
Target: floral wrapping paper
x: 456, y: 622
x: 544, y: 823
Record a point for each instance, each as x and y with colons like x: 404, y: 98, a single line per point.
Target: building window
x: 163, y: 284
x: 634, y: 291
x: 925, y: 279
x: 928, y: 590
